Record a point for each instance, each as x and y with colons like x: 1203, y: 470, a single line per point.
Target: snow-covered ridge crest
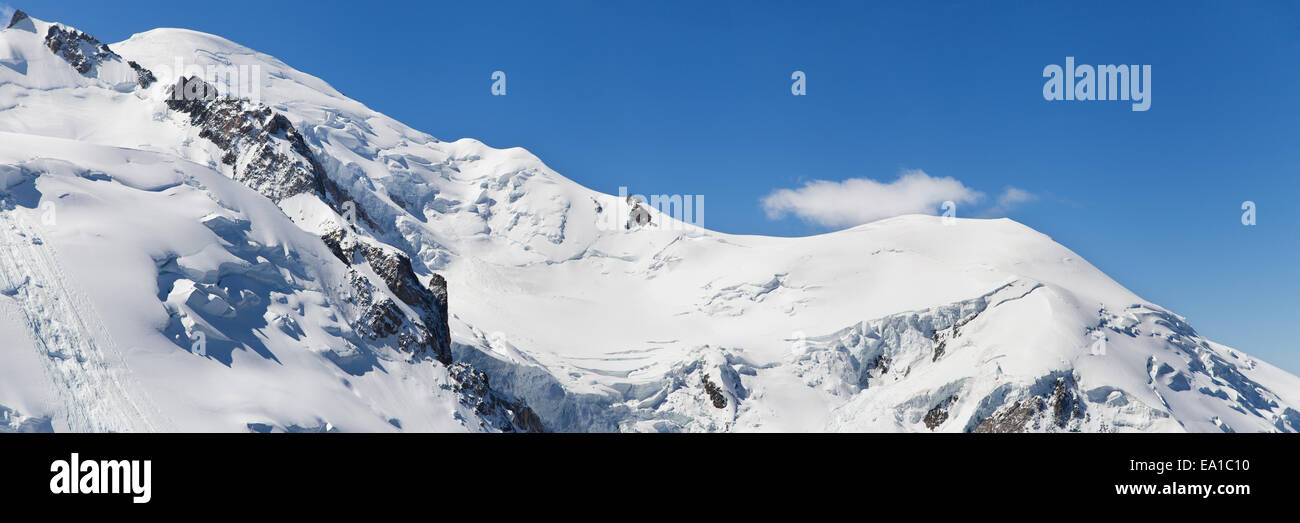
x: 263, y: 148
x: 268, y: 154
x: 993, y: 363
x: 19, y: 17
x: 237, y: 288
x: 94, y: 61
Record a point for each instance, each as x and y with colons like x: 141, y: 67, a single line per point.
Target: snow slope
x: 907, y: 324
x: 121, y: 257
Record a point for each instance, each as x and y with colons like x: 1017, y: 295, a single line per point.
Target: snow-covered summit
x: 142, y: 232
x: 324, y: 244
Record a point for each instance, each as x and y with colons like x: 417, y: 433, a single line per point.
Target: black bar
x: 941, y: 472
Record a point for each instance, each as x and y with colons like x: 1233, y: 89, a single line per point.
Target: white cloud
x: 5, y: 13
x: 860, y: 200
x: 1010, y: 198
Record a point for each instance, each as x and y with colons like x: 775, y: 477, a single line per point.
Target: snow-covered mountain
x: 346, y: 272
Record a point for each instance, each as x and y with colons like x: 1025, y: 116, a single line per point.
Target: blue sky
x: 694, y: 98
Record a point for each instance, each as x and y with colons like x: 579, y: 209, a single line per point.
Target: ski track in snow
x: 76, y: 346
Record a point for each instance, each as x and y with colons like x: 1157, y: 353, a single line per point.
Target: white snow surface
x: 913, y: 323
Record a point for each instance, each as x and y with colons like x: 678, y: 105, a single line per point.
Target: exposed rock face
x: 382, y: 317
x: 394, y: 306
x: 267, y: 153
x: 145, y: 77
x: 271, y: 156
x: 81, y: 50
x: 19, y: 16
x: 718, y: 399
x: 84, y: 52
x: 502, y: 412
x: 1057, y: 410
x: 1016, y: 418
x: 939, y: 414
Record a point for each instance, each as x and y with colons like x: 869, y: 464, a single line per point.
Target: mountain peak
x: 28, y: 41
x: 18, y: 17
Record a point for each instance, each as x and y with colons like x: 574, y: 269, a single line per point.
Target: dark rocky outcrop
x: 1054, y: 409
x: 497, y: 409
x: 144, y: 77
x: 941, y: 336
x: 382, y: 318
x: 265, y: 150
x: 715, y: 393
x: 19, y: 16
x: 84, y: 52
x: 269, y: 155
x: 79, y: 49
x: 1016, y: 418
x: 939, y: 414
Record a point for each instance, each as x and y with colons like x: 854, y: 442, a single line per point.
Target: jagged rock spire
x: 19, y: 16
